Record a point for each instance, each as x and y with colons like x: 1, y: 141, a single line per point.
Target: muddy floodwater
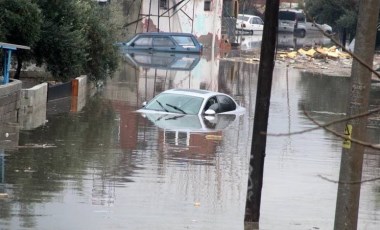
x: 108, y: 167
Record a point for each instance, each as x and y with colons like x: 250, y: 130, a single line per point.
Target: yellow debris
x: 309, y: 53
x: 318, y: 52
x: 292, y: 54
x: 333, y: 54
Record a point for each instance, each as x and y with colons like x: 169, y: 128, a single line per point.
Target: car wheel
x: 300, y: 33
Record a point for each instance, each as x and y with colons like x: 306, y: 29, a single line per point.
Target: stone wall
x: 10, y: 101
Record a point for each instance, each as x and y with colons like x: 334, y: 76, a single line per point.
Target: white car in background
x: 310, y: 26
x: 249, y: 23
x: 294, y: 21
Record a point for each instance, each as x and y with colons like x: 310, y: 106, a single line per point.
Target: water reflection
x: 169, y: 61
x: 284, y: 41
x: 112, y: 169
x: 312, y: 39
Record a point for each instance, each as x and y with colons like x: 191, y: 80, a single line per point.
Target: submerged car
x: 249, y: 23
x: 163, y: 42
x: 192, y: 102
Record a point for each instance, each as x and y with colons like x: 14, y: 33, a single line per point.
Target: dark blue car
x: 163, y: 42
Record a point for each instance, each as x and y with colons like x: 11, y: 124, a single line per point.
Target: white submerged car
x: 192, y: 110
x: 249, y: 23
x: 192, y: 102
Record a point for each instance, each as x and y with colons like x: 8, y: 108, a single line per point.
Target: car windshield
x: 175, y: 103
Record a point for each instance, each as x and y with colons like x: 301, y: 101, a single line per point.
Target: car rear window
x: 243, y: 18
x: 287, y: 15
x: 184, y: 41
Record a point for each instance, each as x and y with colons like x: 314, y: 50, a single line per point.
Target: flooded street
x: 108, y: 167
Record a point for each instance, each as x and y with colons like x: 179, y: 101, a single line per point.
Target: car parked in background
x: 294, y: 21
x: 291, y: 20
x: 163, y: 42
x: 313, y: 26
x: 249, y: 23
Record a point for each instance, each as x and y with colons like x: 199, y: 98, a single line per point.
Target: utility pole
x: 264, y: 85
x: 347, y: 206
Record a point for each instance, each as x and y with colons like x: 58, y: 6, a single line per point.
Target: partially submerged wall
x: 33, y: 106
x: 10, y: 101
x: 79, y: 93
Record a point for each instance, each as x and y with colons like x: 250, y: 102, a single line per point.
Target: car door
x: 142, y: 43
x: 163, y: 44
x: 258, y: 24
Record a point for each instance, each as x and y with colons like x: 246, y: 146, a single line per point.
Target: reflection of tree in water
x: 328, y: 96
x: 323, y: 93
x: 83, y: 142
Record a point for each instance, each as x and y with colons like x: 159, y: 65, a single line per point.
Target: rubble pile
x: 327, y: 60
x: 317, y: 53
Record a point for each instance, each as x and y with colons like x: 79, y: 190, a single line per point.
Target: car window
x: 211, y: 101
x: 163, y: 41
x: 143, y: 41
x: 243, y: 18
x: 287, y: 15
x: 185, y: 41
x: 301, y: 17
x: 258, y: 21
x: 225, y: 103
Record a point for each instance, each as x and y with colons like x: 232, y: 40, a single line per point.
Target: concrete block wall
x: 32, y: 111
x: 10, y: 101
x: 79, y: 93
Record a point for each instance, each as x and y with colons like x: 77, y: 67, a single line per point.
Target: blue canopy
x: 8, y: 48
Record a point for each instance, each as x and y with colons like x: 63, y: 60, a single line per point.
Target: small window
x: 143, y: 41
x: 163, y: 41
x: 226, y: 104
x: 184, y: 41
x: 207, y: 6
x: 164, y: 4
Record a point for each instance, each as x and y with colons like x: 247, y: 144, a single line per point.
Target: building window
x: 207, y: 6
x: 163, y: 4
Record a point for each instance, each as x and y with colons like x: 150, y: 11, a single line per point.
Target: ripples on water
x: 113, y: 169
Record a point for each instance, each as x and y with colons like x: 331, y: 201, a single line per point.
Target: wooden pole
x: 264, y: 85
x: 347, y: 206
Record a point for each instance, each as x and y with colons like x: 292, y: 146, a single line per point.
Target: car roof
x: 291, y: 10
x: 194, y: 92
x: 249, y: 15
x: 166, y: 33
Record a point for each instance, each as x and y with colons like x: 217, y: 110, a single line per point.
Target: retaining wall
x: 79, y: 93
x: 32, y: 111
x: 10, y: 101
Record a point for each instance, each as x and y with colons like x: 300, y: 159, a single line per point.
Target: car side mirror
x: 132, y: 44
x: 144, y: 104
x: 210, y: 112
